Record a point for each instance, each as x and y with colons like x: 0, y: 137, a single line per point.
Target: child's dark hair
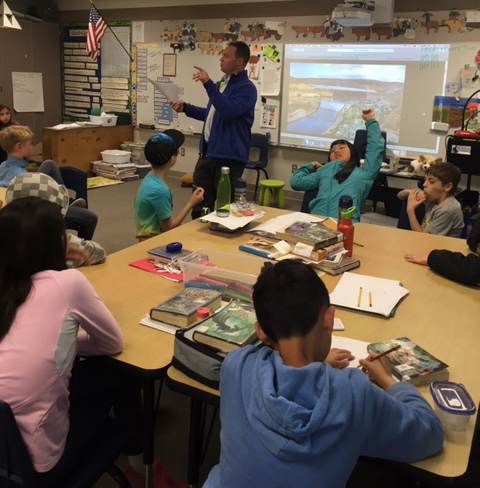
x: 347, y: 170
x: 446, y: 173
x: 241, y: 51
x: 10, y: 122
x: 33, y: 240
x: 288, y: 298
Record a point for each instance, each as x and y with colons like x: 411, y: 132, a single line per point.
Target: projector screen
x: 325, y: 88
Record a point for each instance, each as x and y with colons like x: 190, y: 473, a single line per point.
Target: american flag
x: 96, y: 29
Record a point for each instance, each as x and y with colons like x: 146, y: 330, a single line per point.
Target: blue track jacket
x: 233, y: 119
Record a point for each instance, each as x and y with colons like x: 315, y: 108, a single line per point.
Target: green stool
x: 276, y: 187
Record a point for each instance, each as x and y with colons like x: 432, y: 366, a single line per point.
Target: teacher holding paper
x: 228, y: 120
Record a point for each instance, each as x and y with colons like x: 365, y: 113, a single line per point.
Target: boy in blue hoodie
x: 289, y: 419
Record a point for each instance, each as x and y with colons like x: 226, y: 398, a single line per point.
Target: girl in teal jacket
x: 342, y: 175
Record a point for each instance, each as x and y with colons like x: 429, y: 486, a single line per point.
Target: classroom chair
x: 16, y: 469
x: 274, y: 186
x: 259, y: 141
x: 75, y: 179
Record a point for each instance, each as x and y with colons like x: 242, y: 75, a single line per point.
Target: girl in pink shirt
x: 42, y: 306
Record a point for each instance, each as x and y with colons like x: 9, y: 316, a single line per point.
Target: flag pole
x: 111, y: 30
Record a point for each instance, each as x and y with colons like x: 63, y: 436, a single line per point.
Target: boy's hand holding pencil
x: 378, y: 368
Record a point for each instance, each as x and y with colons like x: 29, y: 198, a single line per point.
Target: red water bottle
x: 347, y: 228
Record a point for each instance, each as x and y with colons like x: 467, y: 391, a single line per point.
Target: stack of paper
x: 367, y: 293
x: 116, y: 171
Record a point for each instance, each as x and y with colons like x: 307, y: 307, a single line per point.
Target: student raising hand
x: 368, y: 114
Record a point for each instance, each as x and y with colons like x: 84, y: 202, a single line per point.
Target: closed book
x: 181, y: 310
x: 324, y: 253
x: 260, y: 247
x: 161, y: 255
x: 229, y: 329
x: 411, y: 363
x: 346, y: 264
x: 314, y: 234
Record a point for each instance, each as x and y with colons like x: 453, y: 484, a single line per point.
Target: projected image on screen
x: 325, y: 99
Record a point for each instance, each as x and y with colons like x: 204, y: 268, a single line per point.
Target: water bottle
x: 345, y: 202
x: 347, y: 228
x: 240, y: 190
x: 224, y: 193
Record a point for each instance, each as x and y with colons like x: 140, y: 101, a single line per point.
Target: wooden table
x: 437, y: 314
x: 80, y: 147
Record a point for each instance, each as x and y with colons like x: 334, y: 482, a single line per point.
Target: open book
x: 367, y: 293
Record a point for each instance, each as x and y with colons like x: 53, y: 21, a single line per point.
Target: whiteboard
x: 152, y: 108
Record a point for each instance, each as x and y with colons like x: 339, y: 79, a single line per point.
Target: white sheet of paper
x: 385, y: 293
x: 303, y: 249
x: 270, y: 81
x: 138, y: 32
x: 283, y: 246
x: 338, y: 324
x: 27, y: 92
x: 170, y: 90
x: 231, y: 222
x: 357, y: 348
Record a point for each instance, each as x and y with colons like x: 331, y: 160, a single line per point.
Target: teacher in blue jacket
x: 228, y: 120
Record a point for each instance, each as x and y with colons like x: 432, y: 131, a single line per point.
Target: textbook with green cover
x: 229, y: 329
x: 311, y: 233
x: 181, y: 309
x: 411, y: 363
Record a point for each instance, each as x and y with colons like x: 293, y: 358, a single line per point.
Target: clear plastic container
x: 211, y: 264
x: 453, y: 404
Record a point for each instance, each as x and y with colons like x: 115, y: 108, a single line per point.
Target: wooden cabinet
x: 80, y: 147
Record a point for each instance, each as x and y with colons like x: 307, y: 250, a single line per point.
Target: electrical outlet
x: 294, y: 168
x: 182, y: 151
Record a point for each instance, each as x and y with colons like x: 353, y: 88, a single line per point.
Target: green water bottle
x: 224, y: 193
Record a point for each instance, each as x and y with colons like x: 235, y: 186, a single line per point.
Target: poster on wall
x: 103, y: 84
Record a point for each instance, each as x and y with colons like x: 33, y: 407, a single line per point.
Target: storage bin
x: 210, y: 266
x: 116, y: 156
x: 105, y: 120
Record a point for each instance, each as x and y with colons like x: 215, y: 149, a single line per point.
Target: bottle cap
x: 345, y: 201
x: 225, y: 170
x: 203, y: 313
x: 240, y: 183
x: 348, y: 212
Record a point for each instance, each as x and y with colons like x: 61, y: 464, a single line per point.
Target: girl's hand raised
x: 368, y: 114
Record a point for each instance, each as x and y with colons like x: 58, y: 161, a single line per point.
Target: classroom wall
x: 35, y: 48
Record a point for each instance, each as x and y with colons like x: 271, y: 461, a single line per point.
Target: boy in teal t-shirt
x: 153, y: 202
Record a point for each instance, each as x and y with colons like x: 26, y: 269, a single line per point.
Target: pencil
x: 359, y: 296
x: 359, y: 245
x: 392, y: 349
x: 369, y: 298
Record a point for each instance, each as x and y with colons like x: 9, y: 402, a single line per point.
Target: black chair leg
x: 118, y: 476
x: 256, y: 186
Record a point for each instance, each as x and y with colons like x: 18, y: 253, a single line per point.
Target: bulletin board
x: 156, y: 61
x: 103, y: 84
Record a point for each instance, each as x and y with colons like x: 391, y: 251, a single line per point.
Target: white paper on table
x: 385, y: 293
x: 270, y: 81
x: 27, y: 92
x: 156, y: 324
x: 231, y: 222
x: 283, y: 247
x: 169, y: 90
x: 357, y: 348
x: 303, y: 249
x: 277, y: 223
x: 338, y: 324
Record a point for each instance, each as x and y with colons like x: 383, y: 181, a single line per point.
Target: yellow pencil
x: 370, y: 298
x: 359, y: 296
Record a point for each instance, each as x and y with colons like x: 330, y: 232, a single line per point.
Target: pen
x: 392, y: 349
x: 359, y: 296
x: 369, y: 298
